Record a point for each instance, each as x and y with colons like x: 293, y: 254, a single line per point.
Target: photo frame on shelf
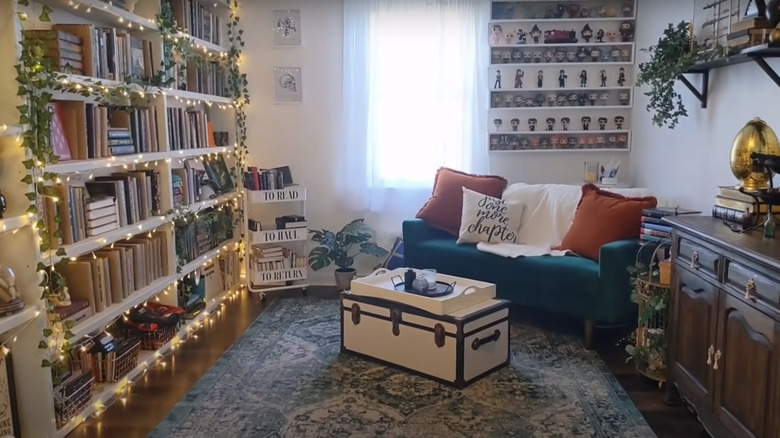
x: 287, y: 85
x: 9, y: 413
x: 287, y: 28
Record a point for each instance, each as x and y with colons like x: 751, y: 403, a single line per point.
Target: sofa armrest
x: 615, y: 280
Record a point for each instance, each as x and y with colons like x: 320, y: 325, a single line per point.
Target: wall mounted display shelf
x: 561, y: 75
x: 758, y: 54
x: 176, y: 131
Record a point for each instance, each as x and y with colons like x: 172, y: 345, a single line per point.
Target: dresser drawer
x: 697, y: 257
x: 752, y: 286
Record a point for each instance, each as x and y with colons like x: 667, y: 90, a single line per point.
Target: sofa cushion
x: 603, y: 217
x: 489, y: 219
x: 443, y: 209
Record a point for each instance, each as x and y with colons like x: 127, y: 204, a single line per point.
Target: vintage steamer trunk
x: 455, y: 349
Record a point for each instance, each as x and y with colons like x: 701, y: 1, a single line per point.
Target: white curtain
x: 415, y: 97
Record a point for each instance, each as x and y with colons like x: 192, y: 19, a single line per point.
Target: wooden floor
x: 157, y: 392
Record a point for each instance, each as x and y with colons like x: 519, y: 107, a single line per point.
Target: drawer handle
x: 695, y: 260
x: 480, y: 342
x: 439, y: 335
x: 750, y: 288
x: 716, y: 358
x: 355, y: 310
x: 395, y: 318
x: 710, y: 352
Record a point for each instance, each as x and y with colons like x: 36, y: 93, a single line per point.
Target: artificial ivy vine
x: 37, y: 78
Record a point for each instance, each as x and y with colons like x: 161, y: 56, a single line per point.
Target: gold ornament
x: 755, y: 136
x: 774, y: 36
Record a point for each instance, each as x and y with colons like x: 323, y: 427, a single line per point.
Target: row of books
x: 187, y: 182
x: 111, y: 274
x: 210, y: 79
x: 108, y: 358
x: 99, y: 52
x: 749, y: 32
x: 230, y: 268
x: 741, y: 209
x: 267, y: 179
x: 653, y: 228
x: 198, y: 20
x: 275, y: 258
x: 82, y: 131
x: 96, y: 207
x: 189, y: 128
x: 211, y: 229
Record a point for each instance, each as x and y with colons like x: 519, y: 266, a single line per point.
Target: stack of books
x: 653, y: 226
x: 740, y: 209
x: 63, y: 49
x: 101, y: 215
x: 276, y: 258
x: 749, y: 32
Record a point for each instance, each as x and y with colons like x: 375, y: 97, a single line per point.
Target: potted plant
x: 341, y: 248
x: 674, y: 54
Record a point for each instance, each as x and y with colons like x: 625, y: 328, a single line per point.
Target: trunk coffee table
x: 454, y: 339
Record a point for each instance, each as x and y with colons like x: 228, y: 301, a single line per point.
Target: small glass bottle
x: 420, y: 283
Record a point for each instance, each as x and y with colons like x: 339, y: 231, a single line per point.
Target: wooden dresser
x: 724, y: 329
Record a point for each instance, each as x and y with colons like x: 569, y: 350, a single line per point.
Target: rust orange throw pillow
x: 603, y: 217
x: 444, y: 208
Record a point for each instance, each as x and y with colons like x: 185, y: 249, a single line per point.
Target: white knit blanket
x: 549, y: 212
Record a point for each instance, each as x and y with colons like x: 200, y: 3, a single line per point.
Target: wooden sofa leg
x: 589, y: 335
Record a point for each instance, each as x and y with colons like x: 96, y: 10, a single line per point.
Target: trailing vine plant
x: 674, y: 54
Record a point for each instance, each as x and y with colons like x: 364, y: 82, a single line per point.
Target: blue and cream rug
x: 285, y: 377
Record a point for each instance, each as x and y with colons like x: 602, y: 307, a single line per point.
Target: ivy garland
x: 37, y: 78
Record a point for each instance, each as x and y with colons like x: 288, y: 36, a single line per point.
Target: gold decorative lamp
x: 755, y: 136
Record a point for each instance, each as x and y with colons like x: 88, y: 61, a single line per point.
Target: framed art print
x: 287, y: 84
x: 9, y: 414
x: 287, y: 28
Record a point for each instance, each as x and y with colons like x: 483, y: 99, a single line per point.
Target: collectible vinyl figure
x: 562, y: 76
x: 628, y: 10
x: 515, y: 124
x: 521, y: 36
x: 560, y: 55
x: 539, y: 100
x: 498, y: 123
x: 619, y: 120
x: 604, y: 97
x: 612, y: 36
x: 497, y: 84
x: 519, y: 78
x: 584, y: 78
x: 517, y: 56
x: 540, y: 79
x: 623, y: 98
x: 600, y: 36
x: 585, y: 123
x: 514, y: 143
x: 508, y: 100
x: 528, y: 57
x: 565, y: 122
x: 562, y: 100
x: 523, y: 143
x: 548, y: 55
x: 602, y: 123
x: 583, y: 99
x: 615, y: 54
x: 497, y: 100
x: 538, y: 56
x: 592, y: 98
x: 573, y: 99
x: 627, y: 31
x: 586, y: 33
x: 509, y: 37
x: 594, y: 54
x: 532, y: 124
x: 535, y: 33
x: 603, y: 78
x: 551, y: 124
x: 493, y: 143
x: 571, y: 56
x: 495, y: 35
x: 551, y: 99
x: 621, y: 77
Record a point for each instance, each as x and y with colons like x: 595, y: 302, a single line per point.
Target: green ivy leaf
x: 47, y: 332
x: 43, y: 345
x: 45, y: 363
x: 69, y: 335
x: 61, y: 252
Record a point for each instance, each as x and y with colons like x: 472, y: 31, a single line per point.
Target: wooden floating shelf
x: 221, y: 199
x: 759, y: 54
x: 12, y: 224
x: 79, y: 166
x: 10, y: 322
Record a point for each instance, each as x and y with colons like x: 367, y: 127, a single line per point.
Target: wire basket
x: 114, y: 368
x: 153, y: 340
x: 651, y: 333
x: 71, y: 399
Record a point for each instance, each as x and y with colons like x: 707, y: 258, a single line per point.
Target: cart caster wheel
x: 262, y: 298
x: 304, y: 292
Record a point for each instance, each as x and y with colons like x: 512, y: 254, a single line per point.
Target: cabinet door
x: 745, y: 364
x: 694, y: 313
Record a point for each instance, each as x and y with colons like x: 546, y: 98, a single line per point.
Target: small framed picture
x: 287, y: 84
x: 9, y: 413
x: 287, y: 28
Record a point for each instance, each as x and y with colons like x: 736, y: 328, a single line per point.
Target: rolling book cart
x: 277, y: 253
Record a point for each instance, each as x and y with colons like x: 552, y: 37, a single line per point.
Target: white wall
x: 688, y: 163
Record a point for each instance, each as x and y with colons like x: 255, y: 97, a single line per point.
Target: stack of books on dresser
x: 740, y: 209
x: 654, y: 229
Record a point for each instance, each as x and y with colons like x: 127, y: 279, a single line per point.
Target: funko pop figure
x: 603, y: 74
x: 540, y: 79
x: 584, y: 78
x: 585, y: 123
x: 519, y: 78
x: 562, y: 76
x: 602, y: 123
x: 586, y: 33
x: 619, y: 120
x: 551, y: 124
x: 600, y: 36
x: 532, y: 124
x: 565, y: 123
x: 621, y: 81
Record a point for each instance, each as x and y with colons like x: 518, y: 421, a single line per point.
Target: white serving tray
x: 467, y: 292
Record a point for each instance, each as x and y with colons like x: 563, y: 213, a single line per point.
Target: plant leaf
x: 373, y: 249
x: 320, y: 258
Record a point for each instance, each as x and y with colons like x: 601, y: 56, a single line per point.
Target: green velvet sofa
x: 593, y: 292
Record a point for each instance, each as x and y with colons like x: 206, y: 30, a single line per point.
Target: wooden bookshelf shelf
x: 221, y: 199
x: 12, y: 224
x: 189, y: 153
x: 10, y: 322
x: 79, y: 166
x: 197, y: 97
x: 94, y: 243
x: 105, y: 393
x: 205, y: 46
x: 101, y: 12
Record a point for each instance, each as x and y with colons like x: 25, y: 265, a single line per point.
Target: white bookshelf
x: 22, y: 331
x: 262, y: 278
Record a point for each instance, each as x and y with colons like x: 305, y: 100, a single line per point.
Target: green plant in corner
x: 342, y: 247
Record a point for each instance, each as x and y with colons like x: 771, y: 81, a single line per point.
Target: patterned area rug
x: 285, y: 377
